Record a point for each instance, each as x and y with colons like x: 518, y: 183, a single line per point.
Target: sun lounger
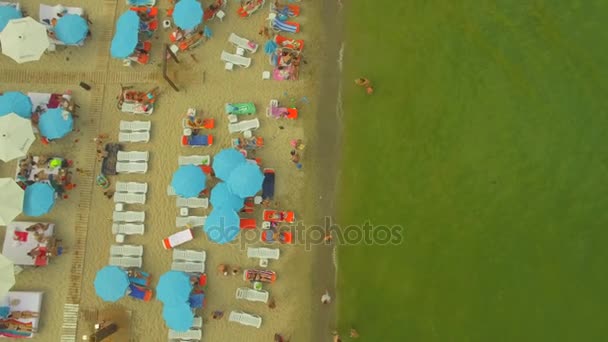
x: 194, y: 160
x: 242, y: 126
x: 129, y: 198
x: 178, y: 238
x: 190, y: 335
x: 197, y: 323
x: 170, y: 191
x: 284, y: 26
x: 265, y: 276
x: 136, y: 108
x: 245, y: 319
x: 252, y: 295
x: 133, y: 187
x: 125, y: 261
x: 133, y: 156
x: 263, y: 253
x: 141, y: 2
x: 140, y: 292
x: 134, y: 137
x: 129, y: 216
x: 245, y: 108
x: 197, y: 140
x: 188, y: 267
x: 289, y: 10
x: 276, y: 112
x: 235, y: 59
x: 135, y: 126
x: 243, y: 43
x: 268, y: 184
x: 128, y: 228
x: 189, y: 255
x: 127, y: 250
x: 193, y: 221
x: 192, y: 202
x: 131, y: 167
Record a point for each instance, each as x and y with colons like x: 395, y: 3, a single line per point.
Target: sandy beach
x: 84, y: 219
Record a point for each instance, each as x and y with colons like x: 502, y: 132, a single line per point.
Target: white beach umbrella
x: 24, y: 40
x: 11, y: 200
x: 16, y: 136
x: 7, y: 275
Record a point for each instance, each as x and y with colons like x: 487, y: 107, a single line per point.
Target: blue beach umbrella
x: 126, y: 36
x: 222, y: 197
x: 246, y: 180
x: 174, y: 288
x: 270, y: 47
x: 188, y: 181
x: 187, y: 14
x: 111, y: 283
x: 55, y: 123
x: 8, y: 13
x: 38, y: 199
x: 15, y: 102
x: 207, y: 32
x: 178, y: 317
x: 222, y: 225
x: 71, y: 29
x: 226, y: 161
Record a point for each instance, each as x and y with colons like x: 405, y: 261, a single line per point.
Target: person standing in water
x: 365, y: 83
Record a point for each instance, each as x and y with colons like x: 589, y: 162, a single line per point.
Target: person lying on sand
x: 223, y: 269
x: 217, y: 314
x: 22, y: 314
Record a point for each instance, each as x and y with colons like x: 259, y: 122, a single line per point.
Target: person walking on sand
x: 326, y: 298
x: 365, y: 83
x: 295, y: 158
x: 354, y: 333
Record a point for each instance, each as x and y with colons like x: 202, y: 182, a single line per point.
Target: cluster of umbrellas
x: 242, y: 179
x: 188, y: 14
x: 173, y: 291
x: 127, y: 35
x: 37, y: 200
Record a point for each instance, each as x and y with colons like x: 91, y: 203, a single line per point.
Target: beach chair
x: 125, y: 261
x: 194, y: 160
x: 245, y: 319
x: 133, y: 156
x: 242, y: 126
x: 188, y: 267
x: 268, y: 184
x: 197, y: 140
x: 278, y: 216
x: 197, y: 323
x: 190, y: 335
x: 235, y: 59
x: 131, y: 167
x: 252, y: 295
x: 193, y: 221
x: 245, y: 108
x: 140, y: 292
x: 247, y: 223
x: 243, y: 43
x: 131, y: 107
x: 129, y: 216
x: 192, y: 202
x: 189, y: 255
x: 133, y: 137
x: 276, y: 112
x: 283, y: 26
x: 127, y: 250
x: 263, y: 253
x: 266, y: 276
x: 135, y: 126
x: 141, y: 2
x: 133, y: 187
x: 178, y: 238
x: 128, y: 228
x: 129, y: 198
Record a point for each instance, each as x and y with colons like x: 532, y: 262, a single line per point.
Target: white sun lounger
x: 192, y: 202
x: 194, y: 160
x: 135, y: 108
x: 242, y: 126
x: 131, y: 167
x: 197, y: 323
x: 133, y: 156
x: 242, y: 43
x: 128, y: 228
x: 126, y: 261
x: 245, y: 319
x: 127, y: 250
x: 133, y: 187
x: 235, y: 59
x: 194, y: 221
x: 188, y: 267
x: 129, y: 198
x: 133, y: 137
x: 170, y: 191
x: 252, y: 295
x: 189, y: 255
x: 190, y: 335
x: 263, y: 253
x: 135, y: 126
x: 129, y: 216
